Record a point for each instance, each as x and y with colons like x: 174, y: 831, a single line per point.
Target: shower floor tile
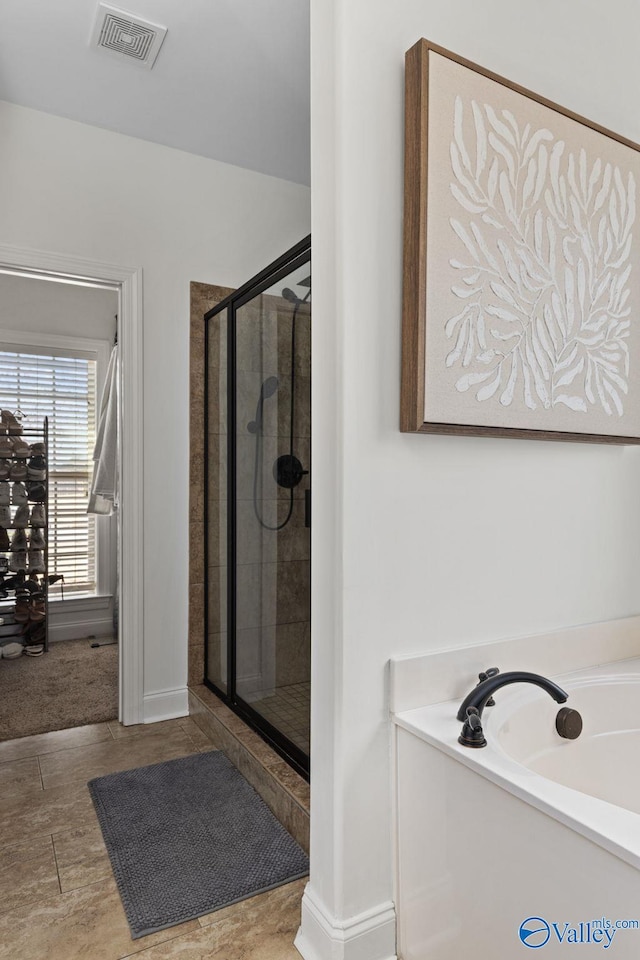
x: 289, y: 711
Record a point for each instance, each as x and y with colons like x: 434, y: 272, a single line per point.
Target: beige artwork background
x: 532, y: 289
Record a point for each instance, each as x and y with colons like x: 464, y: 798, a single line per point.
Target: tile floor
x: 289, y: 710
x: 58, y: 898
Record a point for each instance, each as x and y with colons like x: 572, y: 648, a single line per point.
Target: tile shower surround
x: 288, y: 619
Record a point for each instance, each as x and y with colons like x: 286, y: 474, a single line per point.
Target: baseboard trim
x: 79, y: 629
x: 165, y: 705
x: 367, y: 936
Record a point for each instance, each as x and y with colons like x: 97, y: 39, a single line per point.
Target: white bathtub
x: 531, y: 826
x: 600, y: 763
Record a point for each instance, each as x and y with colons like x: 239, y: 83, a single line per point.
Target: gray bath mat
x: 190, y: 836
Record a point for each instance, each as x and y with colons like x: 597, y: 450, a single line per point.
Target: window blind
x: 62, y: 388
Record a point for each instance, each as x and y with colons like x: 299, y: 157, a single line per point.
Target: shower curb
x: 284, y: 791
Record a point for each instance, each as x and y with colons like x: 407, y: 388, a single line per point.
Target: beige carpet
x: 69, y: 686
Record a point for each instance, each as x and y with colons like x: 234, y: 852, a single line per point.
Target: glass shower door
x: 272, y: 505
x: 258, y: 503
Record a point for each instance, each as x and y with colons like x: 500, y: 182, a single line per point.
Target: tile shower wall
x: 273, y: 596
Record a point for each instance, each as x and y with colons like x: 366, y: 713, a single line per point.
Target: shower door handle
x: 307, y: 508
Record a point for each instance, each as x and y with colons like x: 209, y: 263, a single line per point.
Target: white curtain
x: 104, y: 487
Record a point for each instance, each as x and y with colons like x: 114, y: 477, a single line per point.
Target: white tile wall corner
x: 448, y: 674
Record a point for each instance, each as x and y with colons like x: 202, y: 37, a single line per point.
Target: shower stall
x: 258, y: 502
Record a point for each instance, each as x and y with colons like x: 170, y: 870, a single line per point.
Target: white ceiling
x: 231, y: 81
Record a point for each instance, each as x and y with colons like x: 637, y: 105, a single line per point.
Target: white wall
x: 424, y: 542
x: 74, y: 189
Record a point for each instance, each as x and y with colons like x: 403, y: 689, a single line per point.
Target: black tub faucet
x: 481, y: 694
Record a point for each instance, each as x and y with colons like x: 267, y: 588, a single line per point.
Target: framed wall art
x: 521, y: 262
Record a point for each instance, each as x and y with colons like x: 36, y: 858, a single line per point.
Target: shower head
x: 268, y: 388
x: 293, y: 298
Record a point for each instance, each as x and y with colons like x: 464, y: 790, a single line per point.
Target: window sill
x: 80, y: 602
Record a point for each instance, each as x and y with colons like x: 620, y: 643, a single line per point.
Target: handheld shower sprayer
x: 287, y: 469
x: 268, y: 388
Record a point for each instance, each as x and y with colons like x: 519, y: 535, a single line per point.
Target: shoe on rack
x: 16, y: 582
x: 5, y: 469
x: 4, y: 561
x: 34, y: 649
x: 21, y: 519
x: 37, y: 450
x: 37, y: 468
x: 36, y: 539
x: 18, y: 470
x: 11, y: 423
x: 19, y: 540
x: 4, y: 493
x: 5, y: 517
x: 4, y: 541
x: 36, y: 632
x: 22, y: 610
x: 6, y: 447
x: 21, y: 448
x: 37, y: 609
x: 11, y: 651
x: 18, y: 561
x: 18, y: 493
x: 38, y: 516
x: 57, y: 578
x: 36, y: 492
x: 36, y: 561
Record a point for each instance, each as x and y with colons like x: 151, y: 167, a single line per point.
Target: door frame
x: 128, y: 282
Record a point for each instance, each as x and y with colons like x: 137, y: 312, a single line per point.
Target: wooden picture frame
x: 539, y: 202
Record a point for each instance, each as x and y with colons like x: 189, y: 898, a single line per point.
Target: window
x: 60, y: 384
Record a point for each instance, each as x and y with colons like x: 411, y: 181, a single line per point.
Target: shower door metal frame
x: 296, y: 257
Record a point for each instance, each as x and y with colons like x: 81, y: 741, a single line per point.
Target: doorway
x: 58, y: 569
x: 127, y: 283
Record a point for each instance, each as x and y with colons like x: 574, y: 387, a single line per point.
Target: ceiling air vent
x: 125, y: 35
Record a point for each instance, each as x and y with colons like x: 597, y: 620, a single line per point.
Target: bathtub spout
x: 483, y: 692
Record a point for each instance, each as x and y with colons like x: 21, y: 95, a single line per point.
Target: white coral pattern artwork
x: 542, y: 274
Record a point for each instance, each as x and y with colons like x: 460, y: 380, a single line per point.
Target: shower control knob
x: 569, y: 723
x: 288, y: 471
